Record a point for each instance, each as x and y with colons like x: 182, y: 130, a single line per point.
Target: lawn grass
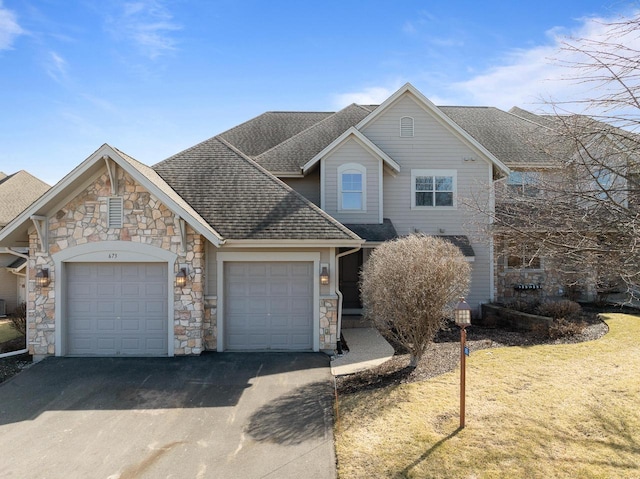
x: 552, y: 411
x: 7, y: 331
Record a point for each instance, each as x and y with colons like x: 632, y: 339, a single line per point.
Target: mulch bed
x: 443, y: 355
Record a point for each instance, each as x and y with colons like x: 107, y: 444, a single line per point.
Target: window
x: 406, y: 126
x: 433, y: 188
x: 524, y: 182
x: 352, y: 187
x: 115, y: 212
x: 603, y: 182
x: 522, y: 256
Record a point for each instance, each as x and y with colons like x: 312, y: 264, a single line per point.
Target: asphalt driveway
x: 228, y: 415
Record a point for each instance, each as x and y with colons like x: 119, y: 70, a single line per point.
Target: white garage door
x: 268, y: 306
x: 116, y: 309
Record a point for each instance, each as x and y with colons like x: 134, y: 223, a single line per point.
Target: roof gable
x: 436, y: 113
x: 242, y: 200
x: 291, y: 155
x: 362, y: 140
x: 94, y: 164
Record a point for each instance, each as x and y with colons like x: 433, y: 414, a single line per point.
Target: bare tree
x: 409, y: 286
x: 582, y: 214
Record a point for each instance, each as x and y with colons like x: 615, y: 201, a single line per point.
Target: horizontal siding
x: 309, y: 186
x: 352, y: 152
x: 434, y: 146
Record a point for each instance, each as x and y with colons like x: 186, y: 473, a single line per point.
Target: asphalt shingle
x: 17, y: 192
x: 241, y: 200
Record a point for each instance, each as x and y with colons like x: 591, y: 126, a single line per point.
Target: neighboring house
x: 253, y: 239
x: 17, y: 192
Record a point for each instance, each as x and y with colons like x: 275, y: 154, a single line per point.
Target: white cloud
x: 9, y: 28
x: 149, y: 24
x: 56, y: 67
x: 529, y: 77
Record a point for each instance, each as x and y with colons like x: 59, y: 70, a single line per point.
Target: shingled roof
x: 17, y: 192
x: 513, y: 139
x: 265, y: 131
x: 291, y: 155
x: 241, y: 200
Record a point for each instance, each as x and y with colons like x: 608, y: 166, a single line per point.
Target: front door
x: 350, y: 266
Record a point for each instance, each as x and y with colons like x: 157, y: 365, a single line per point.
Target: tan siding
x: 433, y: 146
x: 309, y: 186
x: 352, y: 152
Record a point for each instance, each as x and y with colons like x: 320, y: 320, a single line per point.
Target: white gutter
x: 337, y: 269
x: 26, y: 333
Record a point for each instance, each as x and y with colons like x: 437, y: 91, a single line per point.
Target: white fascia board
x: 437, y: 113
x: 364, y: 142
x: 293, y: 243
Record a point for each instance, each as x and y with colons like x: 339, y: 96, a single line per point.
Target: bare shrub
x: 19, y: 319
x: 523, y: 305
x: 562, y: 327
x: 559, y: 309
x: 409, y: 287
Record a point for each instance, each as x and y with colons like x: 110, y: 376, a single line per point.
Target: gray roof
x: 241, y: 200
x: 375, y: 233
x: 282, y: 142
x: 513, y: 139
x: 263, y: 132
x: 461, y: 242
x: 17, y: 192
x: 291, y: 155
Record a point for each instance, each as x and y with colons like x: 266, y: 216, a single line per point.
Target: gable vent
x: 115, y: 212
x: 406, y: 126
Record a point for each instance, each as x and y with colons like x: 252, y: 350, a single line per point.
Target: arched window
x: 352, y: 180
x: 406, y: 126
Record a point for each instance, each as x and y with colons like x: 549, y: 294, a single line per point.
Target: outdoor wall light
x: 42, y: 278
x: 324, y: 274
x: 181, y: 278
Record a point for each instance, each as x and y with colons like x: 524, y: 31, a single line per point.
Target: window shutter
x: 406, y: 126
x: 115, y: 211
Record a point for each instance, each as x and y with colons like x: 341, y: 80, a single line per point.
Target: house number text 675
x: 113, y: 255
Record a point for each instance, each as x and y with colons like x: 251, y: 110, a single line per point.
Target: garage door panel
x: 263, y: 309
x: 117, y: 309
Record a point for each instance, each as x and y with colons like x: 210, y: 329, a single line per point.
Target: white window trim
x: 357, y: 167
x: 412, y: 127
x: 416, y: 173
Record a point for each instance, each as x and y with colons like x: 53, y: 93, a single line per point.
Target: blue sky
x: 152, y: 77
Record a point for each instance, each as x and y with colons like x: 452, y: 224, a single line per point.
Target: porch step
x: 352, y: 321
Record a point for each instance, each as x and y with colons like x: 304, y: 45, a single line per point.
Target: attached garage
x: 116, y: 309
x: 269, y: 305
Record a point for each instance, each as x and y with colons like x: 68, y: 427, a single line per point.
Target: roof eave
x: 364, y: 141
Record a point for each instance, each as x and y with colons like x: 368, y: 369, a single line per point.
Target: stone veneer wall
x: 549, y: 278
x: 147, y: 221
x: 328, y: 323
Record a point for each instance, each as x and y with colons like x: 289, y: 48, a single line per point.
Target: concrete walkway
x: 367, y: 349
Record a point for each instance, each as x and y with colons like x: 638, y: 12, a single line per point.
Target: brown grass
x: 549, y: 411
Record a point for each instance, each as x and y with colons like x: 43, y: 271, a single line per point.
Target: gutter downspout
x: 337, y: 269
x: 26, y: 334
